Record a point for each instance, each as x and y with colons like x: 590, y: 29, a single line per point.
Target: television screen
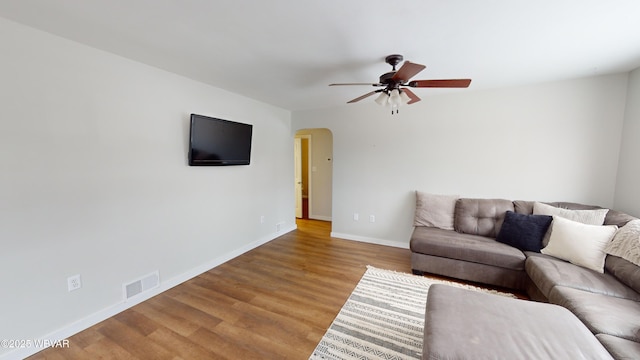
x: 217, y: 142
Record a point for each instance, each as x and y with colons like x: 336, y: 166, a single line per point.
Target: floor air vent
x: 141, y: 285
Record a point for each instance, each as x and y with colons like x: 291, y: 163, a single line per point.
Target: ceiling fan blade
x: 449, y: 83
x: 414, y: 98
x: 342, y: 84
x: 407, y: 71
x: 362, y: 97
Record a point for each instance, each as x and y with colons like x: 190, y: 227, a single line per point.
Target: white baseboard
x: 320, y: 217
x: 115, y: 309
x: 370, y: 240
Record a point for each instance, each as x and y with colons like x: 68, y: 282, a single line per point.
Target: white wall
x: 321, y: 178
x: 552, y: 141
x: 94, y: 181
x: 627, y: 197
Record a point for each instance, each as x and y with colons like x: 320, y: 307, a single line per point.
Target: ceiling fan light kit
x: 395, y: 83
x: 393, y: 98
x: 382, y: 99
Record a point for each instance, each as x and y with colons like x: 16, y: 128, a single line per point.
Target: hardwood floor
x: 274, y: 302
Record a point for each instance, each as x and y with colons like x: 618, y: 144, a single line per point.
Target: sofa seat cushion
x: 464, y: 324
x: 465, y: 247
x: 602, y: 314
x: 546, y: 272
x: 620, y: 348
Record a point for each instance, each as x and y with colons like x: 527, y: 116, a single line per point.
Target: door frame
x: 298, y: 160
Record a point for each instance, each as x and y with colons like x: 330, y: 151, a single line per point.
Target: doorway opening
x: 302, y: 175
x: 313, y: 156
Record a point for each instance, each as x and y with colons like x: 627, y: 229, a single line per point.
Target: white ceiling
x: 286, y: 52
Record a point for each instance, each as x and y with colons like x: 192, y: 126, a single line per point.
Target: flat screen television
x: 218, y: 142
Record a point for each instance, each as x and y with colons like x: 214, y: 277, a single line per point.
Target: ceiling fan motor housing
x: 394, y: 60
x: 387, y: 78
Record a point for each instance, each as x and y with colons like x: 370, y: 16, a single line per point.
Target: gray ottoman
x: 465, y: 324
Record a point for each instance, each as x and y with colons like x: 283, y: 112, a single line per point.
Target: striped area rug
x: 382, y: 319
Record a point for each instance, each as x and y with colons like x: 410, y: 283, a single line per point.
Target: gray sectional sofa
x: 469, y: 239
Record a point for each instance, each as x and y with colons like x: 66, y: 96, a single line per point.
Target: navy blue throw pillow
x: 524, y: 232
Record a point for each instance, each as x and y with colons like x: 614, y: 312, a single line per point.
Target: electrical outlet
x: 356, y: 216
x: 372, y: 218
x: 262, y: 219
x: 74, y: 282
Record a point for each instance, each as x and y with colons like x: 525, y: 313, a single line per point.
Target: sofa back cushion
x: 617, y: 218
x: 625, y: 271
x: 482, y: 217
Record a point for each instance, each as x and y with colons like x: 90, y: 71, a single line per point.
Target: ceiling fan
x: 394, y: 84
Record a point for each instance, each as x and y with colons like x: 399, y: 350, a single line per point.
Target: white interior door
x: 297, y: 156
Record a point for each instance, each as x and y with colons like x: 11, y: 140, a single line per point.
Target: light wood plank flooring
x: 274, y: 302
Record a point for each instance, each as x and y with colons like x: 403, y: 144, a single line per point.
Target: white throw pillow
x: 435, y: 210
x: 591, y: 217
x: 626, y: 242
x: 578, y: 243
